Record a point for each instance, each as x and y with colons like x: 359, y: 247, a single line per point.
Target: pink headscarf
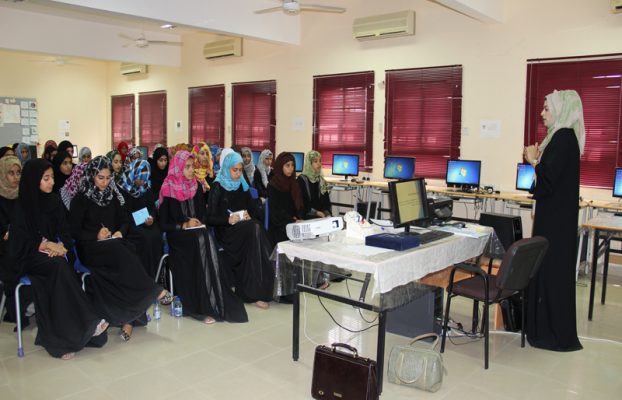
x: 175, y: 184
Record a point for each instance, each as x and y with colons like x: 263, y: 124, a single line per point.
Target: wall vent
x: 383, y: 26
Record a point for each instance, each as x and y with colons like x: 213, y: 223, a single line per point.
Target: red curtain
x: 254, y: 115
x: 152, y: 119
x: 343, y: 115
x: 598, y: 82
x: 122, y: 119
x: 207, y: 114
x: 423, y: 116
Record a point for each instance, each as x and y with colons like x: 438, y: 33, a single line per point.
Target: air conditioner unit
x: 616, y: 6
x: 383, y: 26
x: 130, y: 68
x: 223, y: 48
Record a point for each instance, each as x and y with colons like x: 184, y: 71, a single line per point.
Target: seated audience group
x: 115, y: 213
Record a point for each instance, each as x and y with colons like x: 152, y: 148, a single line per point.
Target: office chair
x: 23, y: 281
x: 3, y: 301
x: 520, y: 263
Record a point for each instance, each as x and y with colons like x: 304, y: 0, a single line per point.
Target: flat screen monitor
x: 399, y: 167
x: 617, y: 183
x: 345, y: 165
x: 409, y: 202
x: 143, y: 152
x: 525, y: 174
x: 256, y: 156
x: 300, y: 160
x: 463, y: 173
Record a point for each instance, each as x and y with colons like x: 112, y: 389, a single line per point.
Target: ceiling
x: 91, y: 28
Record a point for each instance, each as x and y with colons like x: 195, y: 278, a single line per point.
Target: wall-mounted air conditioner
x: 383, y: 26
x: 131, y: 68
x: 223, y: 48
x: 616, y: 6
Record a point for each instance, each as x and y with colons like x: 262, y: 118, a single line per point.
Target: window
x: 152, y: 119
x: 207, y: 114
x: 423, y: 116
x: 598, y: 81
x: 122, y: 119
x: 254, y: 119
x: 343, y: 116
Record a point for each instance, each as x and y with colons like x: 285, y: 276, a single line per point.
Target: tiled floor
x: 185, y: 359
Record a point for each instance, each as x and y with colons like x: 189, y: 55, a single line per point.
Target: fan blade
x: 124, y: 36
x: 164, y: 42
x: 268, y: 10
x: 321, y: 8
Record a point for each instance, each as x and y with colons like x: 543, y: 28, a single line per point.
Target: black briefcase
x: 343, y: 376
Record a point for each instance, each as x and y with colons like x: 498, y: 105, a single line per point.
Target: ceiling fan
x: 293, y: 7
x: 143, y: 42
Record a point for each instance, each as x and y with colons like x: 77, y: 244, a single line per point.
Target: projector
x: 313, y: 228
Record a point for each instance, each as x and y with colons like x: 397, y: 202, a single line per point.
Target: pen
x: 229, y: 211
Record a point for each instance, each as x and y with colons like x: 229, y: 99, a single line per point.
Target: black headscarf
x: 4, y: 150
x: 39, y: 207
x: 59, y: 177
x: 157, y: 174
x: 47, y: 153
x: 64, y: 145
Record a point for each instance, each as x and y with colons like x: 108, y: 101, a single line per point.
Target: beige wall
x: 493, y: 58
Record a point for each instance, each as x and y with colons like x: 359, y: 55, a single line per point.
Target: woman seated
x: 62, y: 165
x: 72, y: 184
x: 315, y: 193
x: 159, y: 170
x: 249, y: 165
x: 117, y: 166
x: 203, y: 166
x: 198, y: 274
x: 236, y: 220
x: 144, y: 233
x: 263, y: 172
x: 39, y: 242
x: 286, y: 205
x: 85, y: 155
x: 121, y: 289
x: 49, y: 152
x: 23, y: 153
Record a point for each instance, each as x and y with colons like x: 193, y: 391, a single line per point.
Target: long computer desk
x: 390, y: 274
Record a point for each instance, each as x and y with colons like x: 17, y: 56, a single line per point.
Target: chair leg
x: 160, y: 266
x: 446, y: 318
x: 486, y: 334
x: 18, y: 315
x: 2, y: 303
x: 170, y: 279
x: 475, y: 317
x: 522, y: 318
x: 84, y: 275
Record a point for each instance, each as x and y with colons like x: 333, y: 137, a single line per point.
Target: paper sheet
x: 140, y: 216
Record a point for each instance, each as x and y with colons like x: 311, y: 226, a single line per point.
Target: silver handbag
x: 417, y: 365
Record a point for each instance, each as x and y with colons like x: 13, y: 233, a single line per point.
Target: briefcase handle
x: 347, y: 347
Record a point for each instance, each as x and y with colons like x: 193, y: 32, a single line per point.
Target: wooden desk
x: 611, y: 226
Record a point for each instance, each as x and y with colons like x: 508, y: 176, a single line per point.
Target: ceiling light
x: 168, y: 26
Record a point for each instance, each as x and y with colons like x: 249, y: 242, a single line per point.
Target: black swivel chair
x: 520, y: 263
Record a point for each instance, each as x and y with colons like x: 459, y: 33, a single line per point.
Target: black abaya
x: 246, y: 248
x: 119, y: 286
x: 551, y: 306
x: 314, y: 200
x: 198, y: 275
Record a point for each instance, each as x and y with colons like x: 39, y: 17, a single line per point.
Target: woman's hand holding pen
x: 104, y: 233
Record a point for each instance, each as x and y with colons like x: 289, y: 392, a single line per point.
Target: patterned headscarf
x: 6, y: 163
x: 224, y: 175
x: 285, y: 183
x: 87, y: 185
x: 175, y: 184
x: 202, y: 171
x: 263, y: 169
x: 249, y: 169
x: 139, y: 169
x: 18, y: 153
x: 72, y: 184
x: 131, y: 156
x: 182, y: 147
x: 567, y: 111
x: 313, y: 176
x: 116, y: 176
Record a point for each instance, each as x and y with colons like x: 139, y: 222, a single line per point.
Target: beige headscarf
x: 6, y: 190
x: 567, y: 111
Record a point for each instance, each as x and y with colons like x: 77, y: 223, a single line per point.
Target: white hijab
x: 567, y: 111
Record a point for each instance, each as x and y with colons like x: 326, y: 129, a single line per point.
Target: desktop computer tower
x: 422, y: 315
x: 509, y: 228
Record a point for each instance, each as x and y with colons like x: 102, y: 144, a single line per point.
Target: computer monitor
x: 463, y: 173
x: 525, y: 174
x: 399, y: 167
x: 617, y: 183
x: 409, y: 203
x: 255, y: 156
x: 345, y: 165
x: 300, y: 160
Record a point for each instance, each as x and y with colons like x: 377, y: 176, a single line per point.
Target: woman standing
x: 286, y: 205
x: 198, y: 273
x: 551, y: 298
x: 145, y: 234
x: 121, y: 289
x: 262, y: 174
x: 314, y: 189
x: 62, y: 169
x: 66, y: 319
x: 246, y: 247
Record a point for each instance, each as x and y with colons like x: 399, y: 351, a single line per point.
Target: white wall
x: 493, y: 58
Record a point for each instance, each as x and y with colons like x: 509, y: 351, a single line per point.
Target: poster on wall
x: 18, y: 120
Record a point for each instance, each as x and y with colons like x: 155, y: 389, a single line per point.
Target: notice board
x: 18, y: 120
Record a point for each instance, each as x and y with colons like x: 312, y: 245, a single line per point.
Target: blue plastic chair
x: 80, y: 268
x: 266, y: 215
x: 23, y: 281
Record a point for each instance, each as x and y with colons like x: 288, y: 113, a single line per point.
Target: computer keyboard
x: 431, y: 236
